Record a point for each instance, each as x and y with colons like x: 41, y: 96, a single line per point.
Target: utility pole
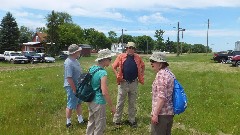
x: 122, y: 36
x: 178, y: 39
x: 207, y: 38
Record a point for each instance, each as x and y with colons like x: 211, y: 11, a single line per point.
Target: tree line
x: 62, y: 32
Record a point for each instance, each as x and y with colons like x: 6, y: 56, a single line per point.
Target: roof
x: 85, y: 46
x: 31, y: 43
x: 42, y: 36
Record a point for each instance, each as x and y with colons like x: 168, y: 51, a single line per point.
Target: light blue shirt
x: 72, y: 69
x: 96, y: 84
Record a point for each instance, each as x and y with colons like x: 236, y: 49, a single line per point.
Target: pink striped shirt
x: 162, y: 87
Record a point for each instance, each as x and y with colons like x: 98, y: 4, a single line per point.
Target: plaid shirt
x: 162, y: 87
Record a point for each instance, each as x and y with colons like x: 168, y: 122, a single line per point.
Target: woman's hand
x: 154, y: 119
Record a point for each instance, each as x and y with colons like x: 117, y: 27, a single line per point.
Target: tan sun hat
x: 131, y: 44
x: 104, y: 53
x: 158, y: 57
x: 74, y: 48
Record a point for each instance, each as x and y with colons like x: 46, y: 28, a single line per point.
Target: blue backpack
x: 179, y: 98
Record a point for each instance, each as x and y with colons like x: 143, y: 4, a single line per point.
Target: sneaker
x: 133, y: 125
x: 68, y: 125
x: 117, y: 124
x: 80, y: 120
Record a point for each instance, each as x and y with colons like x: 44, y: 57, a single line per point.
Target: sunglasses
x: 152, y: 61
x: 133, y: 48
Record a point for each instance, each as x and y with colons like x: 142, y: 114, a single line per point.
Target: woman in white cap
x: 72, y: 72
x: 162, y: 89
x: 97, y: 108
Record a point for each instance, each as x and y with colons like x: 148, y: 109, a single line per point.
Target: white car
x: 47, y: 58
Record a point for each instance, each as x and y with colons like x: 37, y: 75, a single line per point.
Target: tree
x: 70, y: 34
x: 160, y: 45
x: 41, y: 29
x: 54, y: 21
x: 9, y: 34
x: 112, y: 36
x: 96, y: 39
x: 145, y: 43
x: 170, y: 46
x: 25, y: 34
x: 126, y: 39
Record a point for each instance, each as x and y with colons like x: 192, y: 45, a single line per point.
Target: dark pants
x: 164, y: 125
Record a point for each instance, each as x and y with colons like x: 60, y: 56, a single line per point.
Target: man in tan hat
x: 129, y: 70
x: 72, y: 72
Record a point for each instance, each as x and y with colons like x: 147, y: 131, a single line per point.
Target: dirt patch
x: 30, y: 66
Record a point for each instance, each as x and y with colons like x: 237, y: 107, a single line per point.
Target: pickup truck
x: 236, y: 60
x: 223, y: 57
x: 32, y: 57
x: 14, y: 57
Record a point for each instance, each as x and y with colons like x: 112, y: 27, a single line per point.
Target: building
x: 117, y: 48
x: 237, y: 46
x: 86, y: 50
x: 37, y: 43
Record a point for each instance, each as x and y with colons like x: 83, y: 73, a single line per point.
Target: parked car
x: 236, y: 60
x: 47, y: 58
x: 223, y: 57
x: 63, y: 55
x: 33, y: 57
x: 2, y: 58
x: 15, y: 57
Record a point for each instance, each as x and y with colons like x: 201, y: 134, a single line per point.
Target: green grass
x: 33, y: 99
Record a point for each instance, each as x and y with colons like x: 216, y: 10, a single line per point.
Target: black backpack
x: 85, y: 90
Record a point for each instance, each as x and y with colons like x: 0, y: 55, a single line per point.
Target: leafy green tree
x: 25, y: 34
x: 126, y: 39
x: 160, y: 45
x: 54, y: 21
x: 96, y: 39
x: 9, y: 34
x: 112, y: 36
x: 145, y: 43
x: 198, y: 48
x: 70, y: 33
x: 170, y: 46
x: 41, y: 29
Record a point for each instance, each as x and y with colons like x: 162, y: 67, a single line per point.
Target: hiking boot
x: 68, y: 125
x: 133, y: 125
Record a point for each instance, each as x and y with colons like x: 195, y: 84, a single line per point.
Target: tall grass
x: 32, y: 100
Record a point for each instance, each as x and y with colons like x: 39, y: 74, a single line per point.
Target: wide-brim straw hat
x: 158, y: 57
x: 104, y: 53
x: 74, y: 48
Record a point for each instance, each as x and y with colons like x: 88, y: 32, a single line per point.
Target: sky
x: 141, y: 17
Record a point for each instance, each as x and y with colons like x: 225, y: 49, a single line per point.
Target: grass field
x: 32, y: 98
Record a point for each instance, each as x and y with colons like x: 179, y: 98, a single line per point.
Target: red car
x: 236, y: 60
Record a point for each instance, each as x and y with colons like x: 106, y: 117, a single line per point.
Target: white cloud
x: 106, y: 8
x: 152, y: 19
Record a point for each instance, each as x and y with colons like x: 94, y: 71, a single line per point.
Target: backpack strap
x: 95, y: 71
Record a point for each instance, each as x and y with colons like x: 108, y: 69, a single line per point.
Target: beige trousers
x: 130, y: 90
x: 97, y: 119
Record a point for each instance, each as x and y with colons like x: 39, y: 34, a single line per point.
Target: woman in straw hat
x: 97, y: 108
x: 162, y: 89
x: 72, y: 72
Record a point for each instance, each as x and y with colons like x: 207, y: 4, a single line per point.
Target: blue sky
x: 141, y: 17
